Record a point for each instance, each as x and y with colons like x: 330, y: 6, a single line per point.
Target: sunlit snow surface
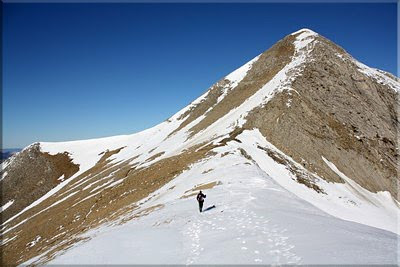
x: 256, y: 220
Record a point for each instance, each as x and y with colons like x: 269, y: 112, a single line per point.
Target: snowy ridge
x: 234, y: 79
x: 281, y: 81
x: 246, y: 229
x: 237, y: 76
x: 188, y: 107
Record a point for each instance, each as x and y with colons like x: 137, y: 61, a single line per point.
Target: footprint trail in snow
x: 256, y: 239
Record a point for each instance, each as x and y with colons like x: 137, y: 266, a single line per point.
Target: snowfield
x: 256, y: 221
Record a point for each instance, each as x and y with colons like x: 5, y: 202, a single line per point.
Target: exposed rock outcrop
x: 336, y: 111
x: 30, y: 175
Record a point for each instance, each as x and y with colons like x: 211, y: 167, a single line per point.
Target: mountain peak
x: 304, y: 30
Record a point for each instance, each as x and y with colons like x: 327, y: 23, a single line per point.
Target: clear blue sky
x: 78, y: 71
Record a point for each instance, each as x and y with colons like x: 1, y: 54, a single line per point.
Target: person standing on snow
x: 200, y: 199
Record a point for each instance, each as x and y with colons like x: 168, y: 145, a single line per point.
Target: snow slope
x: 256, y: 220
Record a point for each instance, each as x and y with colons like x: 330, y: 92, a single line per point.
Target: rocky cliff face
x: 313, y: 103
x: 339, y: 110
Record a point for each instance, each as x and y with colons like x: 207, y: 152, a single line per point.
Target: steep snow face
x: 255, y: 220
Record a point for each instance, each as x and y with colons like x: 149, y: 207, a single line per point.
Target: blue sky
x: 78, y: 71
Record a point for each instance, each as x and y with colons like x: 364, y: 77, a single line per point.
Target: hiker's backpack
x: 200, y: 197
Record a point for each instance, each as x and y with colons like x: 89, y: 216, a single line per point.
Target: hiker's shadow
x: 209, y: 208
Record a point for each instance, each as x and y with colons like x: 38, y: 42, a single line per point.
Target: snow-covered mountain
x: 296, y: 149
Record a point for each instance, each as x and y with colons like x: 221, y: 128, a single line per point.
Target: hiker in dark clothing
x: 200, y: 199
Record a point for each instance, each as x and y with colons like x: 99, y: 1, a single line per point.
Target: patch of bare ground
x: 263, y: 70
x: 206, y: 186
x: 244, y: 154
x: 225, y: 154
x: 31, y: 175
x: 336, y: 112
x: 232, y: 137
x: 87, y: 207
x: 163, y: 222
x: 188, y: 195
x: 193, y: 192
x: 152, y: 150
x: 207, y: 171
x: 141, y: 213
x: 106, y: 154
x: 155, y: 156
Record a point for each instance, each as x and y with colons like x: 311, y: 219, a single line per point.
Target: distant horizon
x: 86, y: 71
